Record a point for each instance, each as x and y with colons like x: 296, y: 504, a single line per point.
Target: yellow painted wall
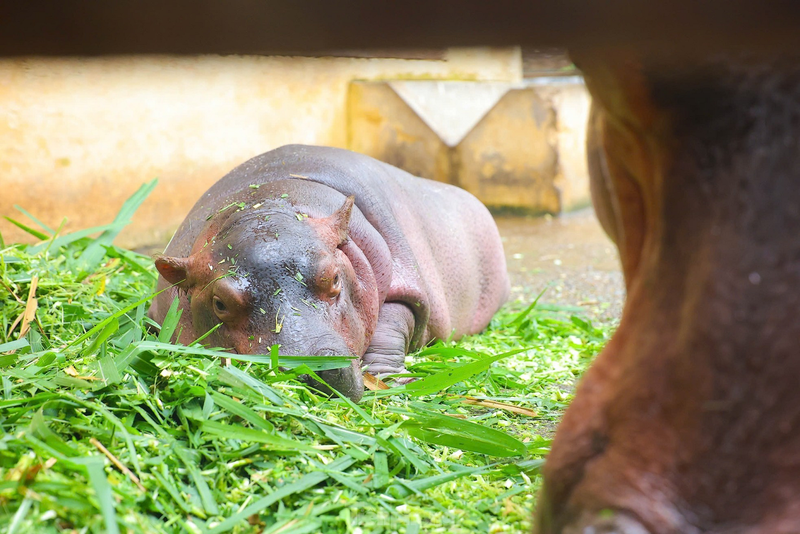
x: 78, y: 136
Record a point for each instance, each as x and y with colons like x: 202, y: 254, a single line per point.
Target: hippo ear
x: 340, y: 220
x: 174, y: 270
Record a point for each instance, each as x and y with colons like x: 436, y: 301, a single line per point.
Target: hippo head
x: 274, y: 275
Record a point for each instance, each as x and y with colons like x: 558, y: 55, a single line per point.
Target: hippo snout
x: 349, y: 381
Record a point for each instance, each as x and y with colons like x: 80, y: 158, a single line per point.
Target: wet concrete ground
x: 570, y: 255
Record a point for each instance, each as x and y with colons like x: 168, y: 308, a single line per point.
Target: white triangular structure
x: 450, y: 109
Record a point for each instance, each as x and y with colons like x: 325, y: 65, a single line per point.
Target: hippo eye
x: 333, y: 286
x: 336, y: 285
x: 219, y: 306
x: 228, y: 302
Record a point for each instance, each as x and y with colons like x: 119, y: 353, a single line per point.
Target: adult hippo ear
x: 174, y: 270
x: 334, y: 229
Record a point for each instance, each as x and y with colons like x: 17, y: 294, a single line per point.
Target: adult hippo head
x: 689, y: 420
x: 270, y: 274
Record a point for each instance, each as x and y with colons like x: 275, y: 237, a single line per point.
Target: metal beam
x: 84, y: 27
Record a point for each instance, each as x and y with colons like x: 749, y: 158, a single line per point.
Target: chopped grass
x: 106, y: 427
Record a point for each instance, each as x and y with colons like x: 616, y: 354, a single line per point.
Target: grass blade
x: 171, y: 321
x: 308, y: 481
x: 236, y: 377
x: 422, y: 484
x: 295, y: 526
x: 14, y: 345
x: 108, y: 330
x: 381, y: 478
x: 115, y: 316
x: 239, y: 409
x: 96, y: 250
x: 35, y: 233
x: 521, y: 316
x: 464, y: 435
x: 105, y: 496
x: 42, y: 225
x: 274, y: 441
x: 109, y: 372
x: 68, y: 239
x: 209, y: 503
x: 314, y: 363
x: 19, y: 516
x: 441, y: 381
x: 172, y: 491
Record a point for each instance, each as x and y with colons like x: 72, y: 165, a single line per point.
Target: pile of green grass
x: 106, y: 427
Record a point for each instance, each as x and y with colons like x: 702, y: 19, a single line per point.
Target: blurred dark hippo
x: 328, y: 252
x: 689, y: 420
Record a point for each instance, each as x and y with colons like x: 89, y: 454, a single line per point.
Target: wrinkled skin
x: 327, y: 252
x: 689, y: 420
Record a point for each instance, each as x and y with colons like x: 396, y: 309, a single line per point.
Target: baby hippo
x: 328, y: 252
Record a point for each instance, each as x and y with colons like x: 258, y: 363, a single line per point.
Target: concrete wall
x: 513, y: 145
x: 78, y: 136
x: 571, y: 102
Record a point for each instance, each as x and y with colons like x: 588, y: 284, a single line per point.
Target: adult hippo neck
x: 689, y: 421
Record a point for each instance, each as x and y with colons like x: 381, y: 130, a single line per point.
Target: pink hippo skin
x: 325, y: 251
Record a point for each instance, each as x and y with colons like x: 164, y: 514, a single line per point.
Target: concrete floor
x: 570, y: 255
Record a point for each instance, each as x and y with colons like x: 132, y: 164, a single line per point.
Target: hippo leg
x: 386, y: 354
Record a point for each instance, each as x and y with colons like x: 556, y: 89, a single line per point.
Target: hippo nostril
x: 607, y: 522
